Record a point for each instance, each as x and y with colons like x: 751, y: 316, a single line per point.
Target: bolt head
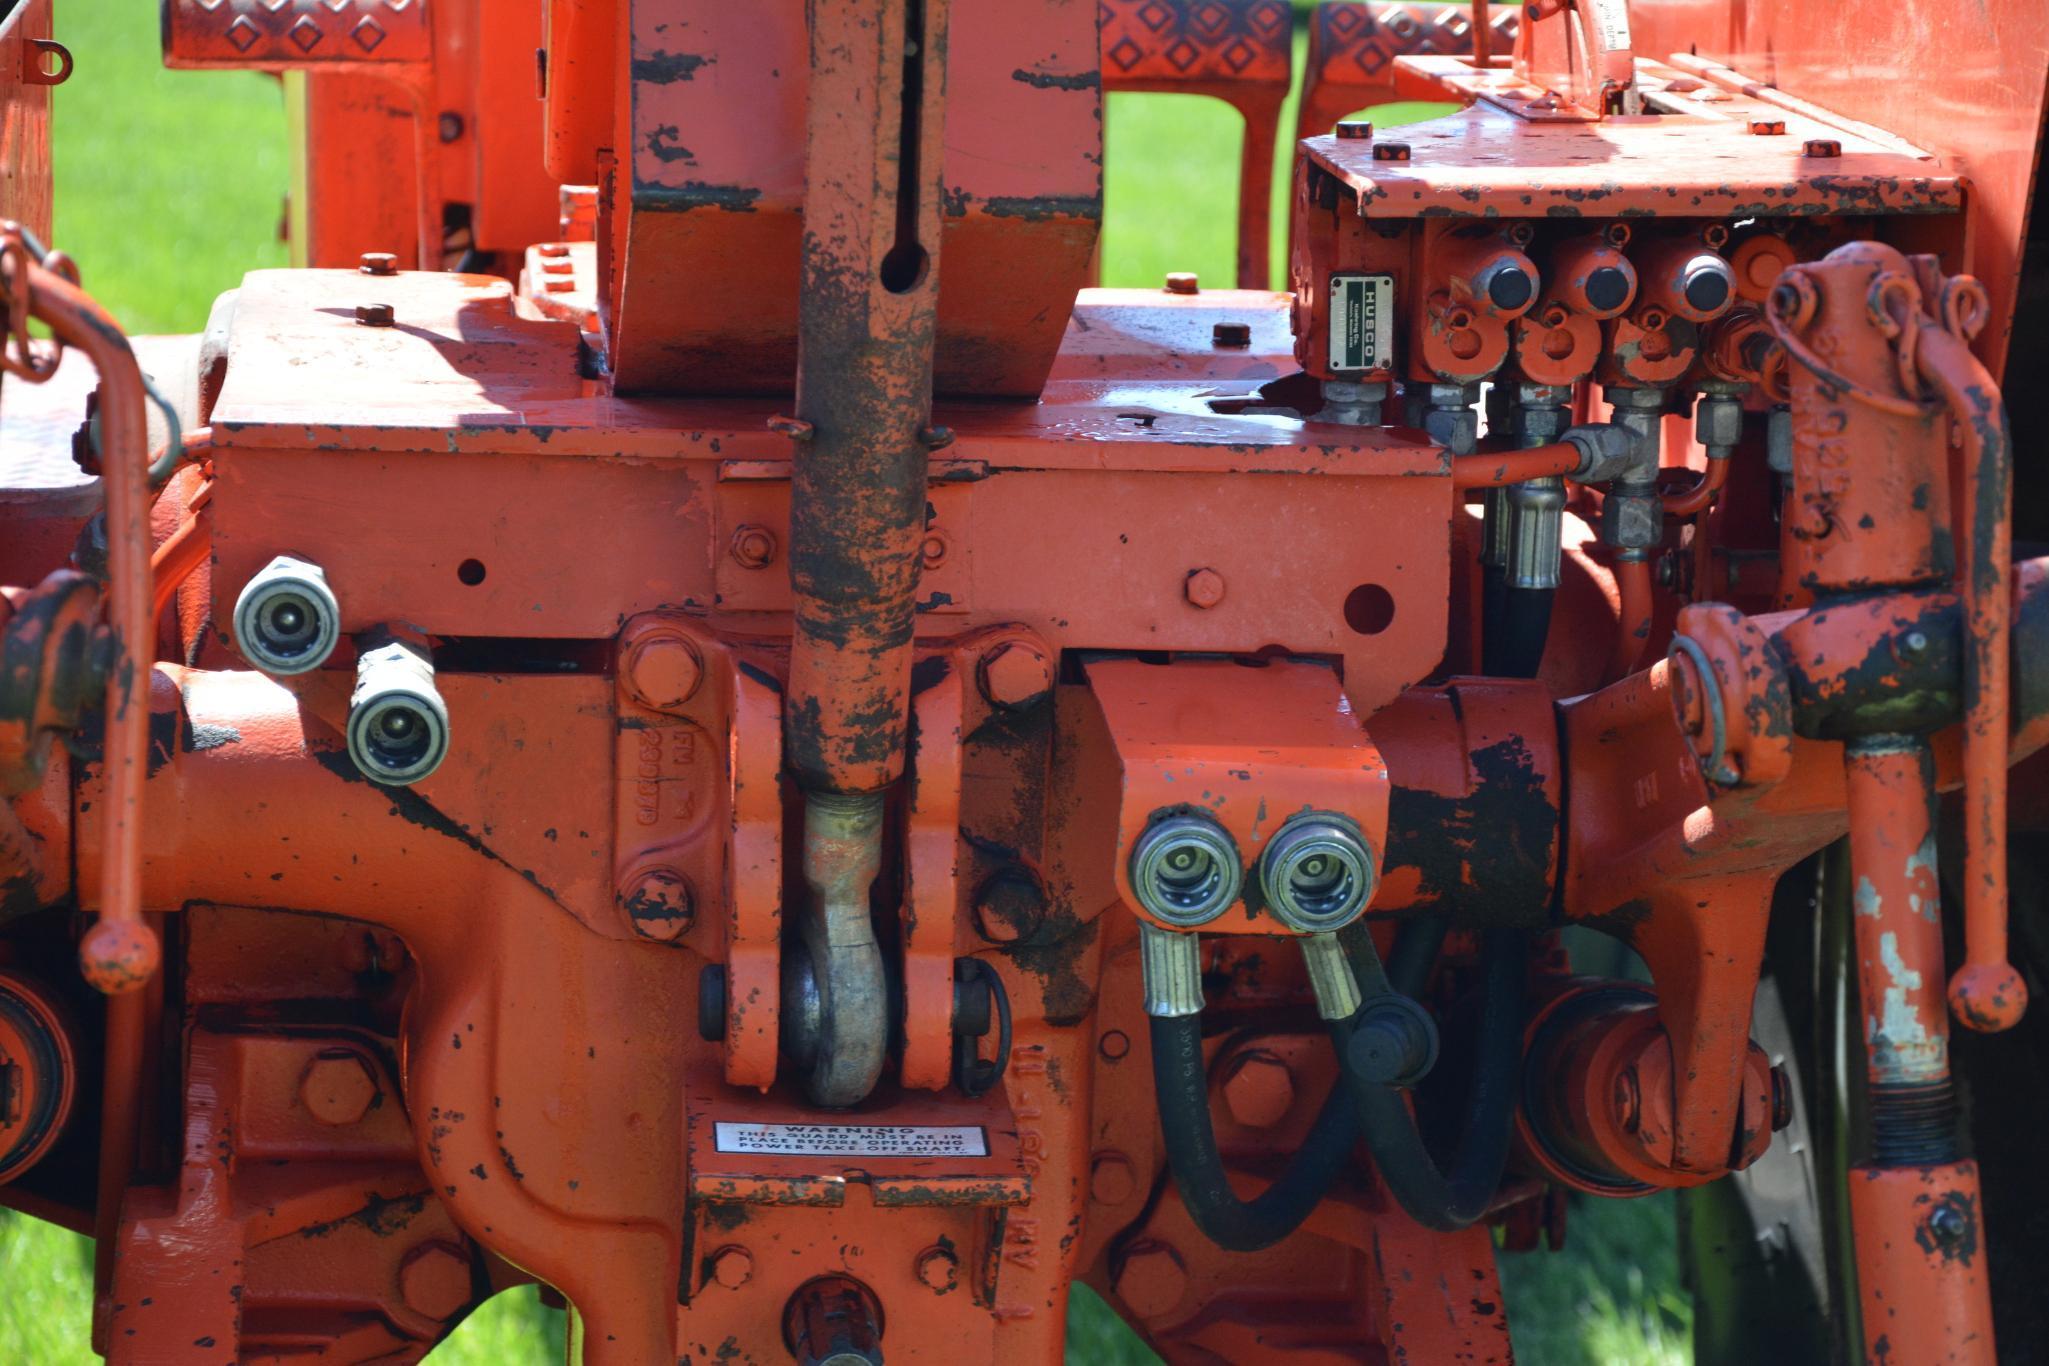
x: 732, y: 1267
x: 1015, y: 675
x: 1231, y: 334
x: 435, y: 1280
x: 338, y: 1087
x: 1151, y: 1279
x: 1011, y: 906
x: 1204, y: 588
x: 658, y: 902
x: 939, y: 1269
x: 1947, y: 1225
x: 374, y: 315
x: 1183, y: 282
x: 932, y: 553
x: 753, y: 547
x: 1354, y: 130
x: 1822, y: 149
x: 1390, y: 151
x: 378, y: 263
x: 662, y: 671
x: 1259, y: 1089
x: 1767, y: 128
x: 1111, y: 1179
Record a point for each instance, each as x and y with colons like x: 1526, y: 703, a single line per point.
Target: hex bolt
x: 1112, y: 1180
x: 1259, y: 1089
x: 1821, y: 149
x: 1948, y: 1225
x: 286, y: 618
x: 753, y: 546
x: 1231, y: 334
x: 1011, y: 906
x: 398, y: 725
x: 1767, y: 128
x: 1015, y: 675
x: 661, y: 670
x: 1183, y: 282
x: 939, y: 1269
x: 1151, y: 1279
x: 658, y: 902
x: 338, y: 1087
x: 553, y: 250
x: 1354, y: 130
x: 435, y: 1280
x: 378, y: 263
x: 1390, y: 151
x: 374, y: 315
x: 1204, y: 588
x: 732, y: 1266
x: 1913, y: 645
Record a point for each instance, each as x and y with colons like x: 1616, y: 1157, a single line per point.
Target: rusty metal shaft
x: 864, y: 384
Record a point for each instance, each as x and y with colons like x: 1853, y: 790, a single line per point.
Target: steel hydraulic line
x: 1987, y: 993
x: 1490, y: 469
x: 183, y: 551
x: 119, y: 953
x: 1633, y: 625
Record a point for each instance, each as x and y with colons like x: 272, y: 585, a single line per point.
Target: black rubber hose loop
x: 1427, y: 1193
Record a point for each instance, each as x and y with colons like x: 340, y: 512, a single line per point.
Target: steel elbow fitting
x: 398, y: 724
x: 286, y: 619
x: 1317, y: 873
x: 1185, y: 870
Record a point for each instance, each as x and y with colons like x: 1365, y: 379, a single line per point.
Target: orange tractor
x: 683, y: 712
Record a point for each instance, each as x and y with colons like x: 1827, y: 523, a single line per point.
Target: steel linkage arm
x: 866, y: 324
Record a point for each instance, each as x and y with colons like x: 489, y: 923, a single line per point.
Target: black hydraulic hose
x: 1431, y: 1197
x: 1512, y: 645
x: 1181, y: 1087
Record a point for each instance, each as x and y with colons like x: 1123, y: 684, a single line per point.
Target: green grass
x: 171, y: 184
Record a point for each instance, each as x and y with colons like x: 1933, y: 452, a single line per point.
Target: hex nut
x: 662, y: 670
x: 1231, y: 334
x: 732, y: 1267
x: 1015, y: 675
x: 1151, y: 1279
x: 338, y: 1087
x: 1011, y: 906
x: 753, y: 546
x: 374, y: 315
x: 1183, y: 282
x: 1111, y: 1179
x: 435, y: 1280
x: 1259, y: 1089
x: 939, y: 1269
x: 1455, y: 429
x: 1632, y: 521
x: 659, y: 903
x: 378, y: 263
x: 1354, y: 130
x: 1204, y: 588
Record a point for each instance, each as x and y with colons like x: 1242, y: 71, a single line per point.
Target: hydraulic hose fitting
x: 398, y: 724
x: 1685, y: 277
x: 1353, y: 404
x: 1170, y: 965
x: 1185, y: 870
x: 287, y: 620
x: 1330, y: 977
x: 1317, y: 872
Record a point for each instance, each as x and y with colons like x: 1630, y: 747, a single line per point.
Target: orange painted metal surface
x: 802, y: 574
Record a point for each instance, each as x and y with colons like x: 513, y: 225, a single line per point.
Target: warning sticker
x: 1361, y: 322
x: 854, y: 1140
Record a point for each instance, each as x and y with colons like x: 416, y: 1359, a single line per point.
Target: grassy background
x: 171, y: 184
